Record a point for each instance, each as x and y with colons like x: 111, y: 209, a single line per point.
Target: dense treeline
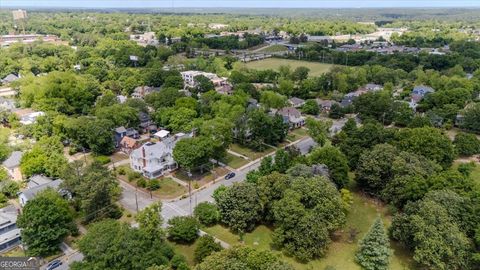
x: 464, y: 53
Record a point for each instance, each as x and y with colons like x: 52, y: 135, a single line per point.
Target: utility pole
x: 136, y: 199
x: 190, y: 190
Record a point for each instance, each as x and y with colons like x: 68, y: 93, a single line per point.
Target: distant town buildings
x: 142, y: 91
x: 147, y: 38
x: 220, y: 83
x: 7, y: 40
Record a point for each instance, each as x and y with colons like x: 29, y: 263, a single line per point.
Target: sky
x: 238, y: 3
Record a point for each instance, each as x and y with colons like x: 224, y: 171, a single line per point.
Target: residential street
x: 182, y: 207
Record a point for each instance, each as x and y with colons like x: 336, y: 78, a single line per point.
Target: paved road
x: 184, y: 206
x: 131, y: 197
x: 75, y: 256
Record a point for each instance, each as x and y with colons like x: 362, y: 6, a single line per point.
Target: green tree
x: 94, y: 190
x: 300, y: 73
x: 471, y: 118
x: 239, y: 207
x: 190, y: 153
x: 45, y: 222
x: 150, y: 220
x: 45, y: 157
x: 164, y: 98
x: 64, y: 92
x: 310, y: 207
x: 206, y: 245
x: 104, y: 247
x: 245, y: 258
x: 335, y: 161
x: 207, y: 213
x: 274, y: 100
x: 466, y: 144
x: 436, y: 241
x: 203, y: 84
x: 311, y: 107
x: 429, y: 142
x: 318, y: 130
x: 119, y: 115
x: 374, y: 168
x: 183, y: 229
x: 374, y: 251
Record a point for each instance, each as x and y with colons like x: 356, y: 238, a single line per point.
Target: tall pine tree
x: 374, y: 252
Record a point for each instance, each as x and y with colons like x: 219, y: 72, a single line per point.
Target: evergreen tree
x: 374, y: 252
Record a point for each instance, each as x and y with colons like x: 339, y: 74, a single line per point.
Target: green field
x: 316, y: 69
x: 273, y: 48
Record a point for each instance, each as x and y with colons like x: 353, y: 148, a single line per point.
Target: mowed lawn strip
x: 252, y: 155
x: 316, y: 69
x: 234, y: 161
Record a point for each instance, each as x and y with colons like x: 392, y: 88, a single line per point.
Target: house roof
x: 32, y: 192
x: 8, y: 214
x: 296, y: 101
x: 14, y: 160
x: 422, y: 89
x: 38, y: 180
x: 162, y: 133
x: 290, y: 112
x: 10, y: 78
x: 121, y: 129
x: 128, y: 142
x: 326, y: 103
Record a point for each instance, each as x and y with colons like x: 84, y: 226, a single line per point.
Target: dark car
x: 54, y: 264
x: 229, y: 176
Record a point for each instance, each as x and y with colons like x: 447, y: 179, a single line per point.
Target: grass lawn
x: 252, y: 155
x: 273, y: 49
x: 201, y: 178
x: 185, y: 250
x: 316, y: 69
x: 475, y: 175
x: 341, y: 253
x: 234, y: 161
x: 15, y: 252
x: 297, y: 134
x: 169, y: 189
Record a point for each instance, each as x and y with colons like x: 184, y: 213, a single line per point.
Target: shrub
x: 102, y: 159
x: 207, y: 213
x: 466, y: 144
x: 153, y: 184
x: 178, y: 261
x: 206, y: 245
x: 183, y: 229
x: 141, y: 183
x: 121, y: 170
x: 131, y: 175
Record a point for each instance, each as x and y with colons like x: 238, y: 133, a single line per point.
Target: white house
x: 30, y: 118
x: 189, y: 78
x: 152, y: 160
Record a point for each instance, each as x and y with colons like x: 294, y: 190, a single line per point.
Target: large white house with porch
x: 154, y: 159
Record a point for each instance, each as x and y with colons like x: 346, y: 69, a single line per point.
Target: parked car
x: 54, y: 264
x: 229, y: 176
